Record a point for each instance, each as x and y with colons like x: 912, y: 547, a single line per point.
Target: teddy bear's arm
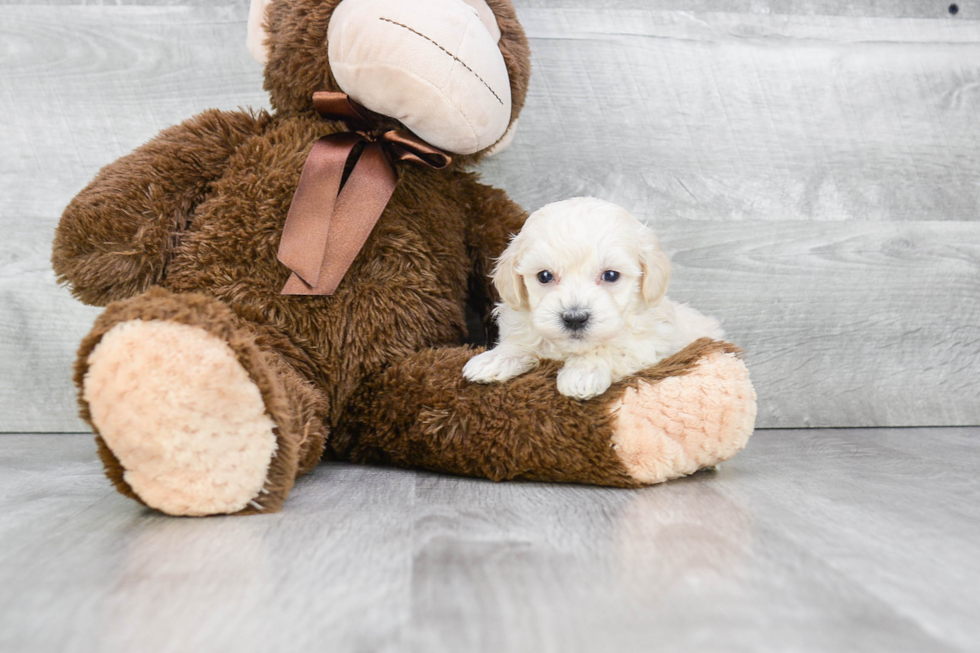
x: 115, y: 237
x: 494, y: 220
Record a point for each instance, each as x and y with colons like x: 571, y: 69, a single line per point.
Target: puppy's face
x: 579, y: 269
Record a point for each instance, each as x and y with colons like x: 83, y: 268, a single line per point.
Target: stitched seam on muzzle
x: 455, y: 58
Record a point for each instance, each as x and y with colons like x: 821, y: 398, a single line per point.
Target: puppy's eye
x: 610, y: 276
x: 545, y: 276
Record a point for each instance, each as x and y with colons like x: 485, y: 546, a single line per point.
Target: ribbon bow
x: 330, y: 218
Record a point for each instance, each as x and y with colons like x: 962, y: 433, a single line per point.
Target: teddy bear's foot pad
x: 684, y: 423
x: 182, y: 416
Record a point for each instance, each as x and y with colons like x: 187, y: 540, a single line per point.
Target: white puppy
x: 584, y: 283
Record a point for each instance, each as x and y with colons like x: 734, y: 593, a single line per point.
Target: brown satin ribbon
x: 328, y: 225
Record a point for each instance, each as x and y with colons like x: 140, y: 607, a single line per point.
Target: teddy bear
x: 288, y: 286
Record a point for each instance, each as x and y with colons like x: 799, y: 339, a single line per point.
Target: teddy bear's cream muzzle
x: 437, y: 69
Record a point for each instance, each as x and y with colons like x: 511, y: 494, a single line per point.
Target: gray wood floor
x: 817, y: 540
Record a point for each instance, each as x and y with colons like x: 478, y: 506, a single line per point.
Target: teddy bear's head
x: 454, y: 72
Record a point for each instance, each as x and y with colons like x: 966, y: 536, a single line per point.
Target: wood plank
x: 116, y: 3
x: 711, y: 116
x: 814, y: 540
x: 864, y: 324
x: 881, y: 8
x: 80, y: 87
x: 564, y: 569
x: 83, y: 86
x: 717, y: 116
x: 40, y: 329
x: 109, y: 565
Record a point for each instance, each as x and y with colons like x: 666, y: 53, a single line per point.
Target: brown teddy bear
x: 258, y: 322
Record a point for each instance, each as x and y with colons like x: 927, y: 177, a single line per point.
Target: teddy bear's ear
x: 486, y: 17
x: 504, y: 141
x: 256, y: 39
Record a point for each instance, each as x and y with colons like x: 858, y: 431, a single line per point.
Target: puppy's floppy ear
x: 508, y: 282
x: 655, y: 266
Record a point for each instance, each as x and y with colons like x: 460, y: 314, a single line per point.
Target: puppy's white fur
x: 631, y: 324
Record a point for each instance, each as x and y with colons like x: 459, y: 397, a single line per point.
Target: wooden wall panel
x: 741, y: 117
x: 81, y: 86
x: 846, y: 324
x: 811, y: 166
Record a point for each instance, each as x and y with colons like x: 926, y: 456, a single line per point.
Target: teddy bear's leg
x: 691, y: 411
x: 196, y: 413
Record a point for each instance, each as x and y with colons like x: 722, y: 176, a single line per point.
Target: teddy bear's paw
x: 182, y: 416
x: 684, y: 423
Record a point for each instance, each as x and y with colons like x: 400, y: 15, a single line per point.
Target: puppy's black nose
x: 575, y: 319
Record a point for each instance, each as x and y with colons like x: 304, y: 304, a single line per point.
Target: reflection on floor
x: 820, y: 540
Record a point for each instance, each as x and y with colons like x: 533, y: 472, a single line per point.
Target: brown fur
x: 421, y: 413
x: 187, y: 228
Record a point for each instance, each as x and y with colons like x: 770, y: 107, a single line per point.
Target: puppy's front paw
x: 497, y: 365
x: 582, y: 381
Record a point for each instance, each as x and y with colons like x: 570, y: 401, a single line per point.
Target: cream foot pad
x: 685, y: 423
x: 182, y: 416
